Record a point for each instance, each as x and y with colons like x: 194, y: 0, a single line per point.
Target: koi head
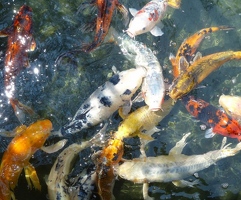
x: 193, y: 106
x: 38, y: 132
x: 146, y: 19
x: 23, y: 20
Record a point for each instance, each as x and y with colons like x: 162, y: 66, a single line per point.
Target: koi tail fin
x: 83, y: 6
x: 20, y: 110
x: 124, y: 12
x: 226, y: 28
x: 69, y: 55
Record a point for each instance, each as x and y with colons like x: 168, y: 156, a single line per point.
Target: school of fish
x: 144, y: 84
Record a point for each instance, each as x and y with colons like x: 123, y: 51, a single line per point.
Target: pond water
x: 57, y: 90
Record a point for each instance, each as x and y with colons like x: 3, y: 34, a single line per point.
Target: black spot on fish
x: 86, y: 106
x: 59, y: 197
x: 105, y: 101
x: 191, y: 109
x: 59, y: 164
x: 115, y: 79
x: 81, y: 117
x: 89, y: 124
x: 103, y: 87
x: 127, y: 92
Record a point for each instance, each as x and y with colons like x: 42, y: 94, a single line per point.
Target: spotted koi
x: 219, y: 121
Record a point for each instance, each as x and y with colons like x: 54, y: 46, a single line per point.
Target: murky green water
x: 57, y: 91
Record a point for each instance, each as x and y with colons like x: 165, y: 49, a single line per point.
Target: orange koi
x: 108, y: 158
x: 218, y: 120
x: 104, y: 17
x: 198, y: 71
x: 189, y: 47
x: 16, y: 158
x: 20, y: 41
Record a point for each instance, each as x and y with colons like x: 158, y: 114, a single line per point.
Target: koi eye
x: 144, y: 28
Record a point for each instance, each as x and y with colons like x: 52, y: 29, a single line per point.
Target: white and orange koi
x: 147, y: 19
x: 173, y: 167
x: 104, y: 101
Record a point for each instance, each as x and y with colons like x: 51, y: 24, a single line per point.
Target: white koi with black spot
x: 104, y: 101
x: 147, y: 18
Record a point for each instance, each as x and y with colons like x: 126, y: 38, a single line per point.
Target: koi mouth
x: 130, y: 34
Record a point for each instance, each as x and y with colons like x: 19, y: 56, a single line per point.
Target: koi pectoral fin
x: 32, y: 177
x: 13, y: 133
x: 183, y: 183
x: 20, y: 109
x: 156, y: 31
x: 55, y: 147
x: 5, y: 32
x: 209, y: 133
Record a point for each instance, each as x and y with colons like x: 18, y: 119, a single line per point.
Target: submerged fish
x: 140, y: 123
x: 173, y: 167
x: 104, y: 101
x: 16, y: 158
x: 20, y: 42
x: 219, y: 121
x: 153, y: 88
x: 188, y: 48
x: 57, y: 179
x: 147, y: 18
x: 231, y: 105
x: 104, y: 16
x: 198, y: 71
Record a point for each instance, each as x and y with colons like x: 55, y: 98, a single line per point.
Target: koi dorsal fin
x: 177, y: 149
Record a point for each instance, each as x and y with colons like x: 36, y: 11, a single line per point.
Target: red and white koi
x: 147, y: 18
x: 173, y: 167
x: 104, y: 101
x: 153, y: 88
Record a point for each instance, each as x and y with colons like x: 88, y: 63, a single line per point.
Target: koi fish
x: 219, y: 121
x: 17, y: 156
x: 147, y: 18
x: 141, y: 122
x: 104, y: 17
x: 103, y: 102
x: 20, y: 42
x: 173, y: 167
x: 198, y: 71
x: 189, y: 47
x: 153, y: 88
x: 57, y: 182
x: 231, y: 105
